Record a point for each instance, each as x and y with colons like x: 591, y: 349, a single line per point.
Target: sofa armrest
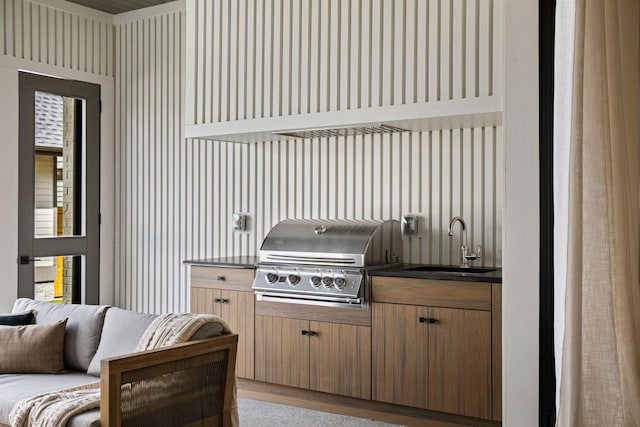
x: 189, y: 383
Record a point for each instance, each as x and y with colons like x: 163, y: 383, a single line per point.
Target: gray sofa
x: 93, y: 334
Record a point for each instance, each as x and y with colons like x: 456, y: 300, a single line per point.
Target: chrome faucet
x: 464, y: 249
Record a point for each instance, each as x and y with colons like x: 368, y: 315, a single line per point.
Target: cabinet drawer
x: 239, y: 279
x: 435, y: 293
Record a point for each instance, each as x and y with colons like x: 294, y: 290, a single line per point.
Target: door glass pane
x: 57, y: 278
x: 59, y: 166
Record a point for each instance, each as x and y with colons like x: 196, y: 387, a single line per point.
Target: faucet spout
x: 464, y: 249
x: 463, y: 227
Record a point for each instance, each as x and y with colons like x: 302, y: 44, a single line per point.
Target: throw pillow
x: 120, y: 335
x: 32, y: 348
x: 16, y: 319
x: 84, y: 326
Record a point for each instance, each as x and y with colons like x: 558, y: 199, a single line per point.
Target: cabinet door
x: 460, y: 362
x: 282, y: 351
x: 237, y: 309
x: 400, y: 354
x: 202, y: 300
x: 340, y: 359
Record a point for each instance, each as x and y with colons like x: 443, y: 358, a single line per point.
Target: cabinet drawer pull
x: 221, y: 278
x: 221, y: 300
x: 304, y: 332
x: 427, y: 320
x: 309, y: 333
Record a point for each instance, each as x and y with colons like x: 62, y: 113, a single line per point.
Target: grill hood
x: 356, y: 243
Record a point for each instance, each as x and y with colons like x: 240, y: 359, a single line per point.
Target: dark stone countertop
x: 404, y: 270
x: 243, y: 261
x: 401, y: 270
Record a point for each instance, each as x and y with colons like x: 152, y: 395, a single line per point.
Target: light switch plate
x: 410, y: 225
x: 239, y: 222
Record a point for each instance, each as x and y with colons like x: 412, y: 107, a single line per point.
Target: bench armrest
x: 182, y: 384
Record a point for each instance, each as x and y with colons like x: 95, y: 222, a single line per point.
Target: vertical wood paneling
x: 485, y: 46
x: 438, y: 175
x: 314, y: 38
x: 330, y: 55
x: 155, y: 179
x: 344, y: 70
x: 376, y: 33
x: 323, y: 59
x: 41, y: 33
x: 243, y: 34
x: 365, y: 27
x: 176, y: 198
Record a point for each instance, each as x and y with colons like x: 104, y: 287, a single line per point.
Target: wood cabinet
x: 227, y: 293
x: 430, y: 345
x: 433, y: 345
x: 322, y: 356
x: 282, y: 352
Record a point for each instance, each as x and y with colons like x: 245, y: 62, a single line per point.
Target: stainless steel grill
x: 324, y: 262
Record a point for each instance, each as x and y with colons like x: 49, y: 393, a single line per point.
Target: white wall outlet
x: 240, y: 221
x: 410, y: 225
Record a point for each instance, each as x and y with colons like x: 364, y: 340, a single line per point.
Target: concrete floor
x: 255, y: 413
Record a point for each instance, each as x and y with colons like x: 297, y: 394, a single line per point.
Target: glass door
x: 59, y: 190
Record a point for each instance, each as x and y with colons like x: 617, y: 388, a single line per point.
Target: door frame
x: 547, y: 363
x: 88, y: 244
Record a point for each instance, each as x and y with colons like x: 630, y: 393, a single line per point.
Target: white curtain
x: 597, y: 191
x: 563, y: 93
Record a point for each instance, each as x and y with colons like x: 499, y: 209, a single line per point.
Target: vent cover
x: 345, y: 131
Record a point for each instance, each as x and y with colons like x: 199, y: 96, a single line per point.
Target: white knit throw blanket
x: 54, y: 409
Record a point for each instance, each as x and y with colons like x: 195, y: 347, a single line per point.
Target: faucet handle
x: 473, y: 256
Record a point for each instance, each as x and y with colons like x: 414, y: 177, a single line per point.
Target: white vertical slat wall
x: 331, y: 55
x: 310, y: 56
x: 437, y: 174
x: 151, y: 166
x: 40, y: 32
x: 175, y: 198
x: 66, y: 40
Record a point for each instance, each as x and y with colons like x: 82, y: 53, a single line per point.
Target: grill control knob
x: 327, y: 282
x: 316, y: 281
x: 340, y: 282
x: 272, y: 278
x: 293, y: 279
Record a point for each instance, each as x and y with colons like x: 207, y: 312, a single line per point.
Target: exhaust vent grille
x: 345, y: 131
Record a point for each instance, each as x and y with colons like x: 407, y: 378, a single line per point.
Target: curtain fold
x: 600, y: 382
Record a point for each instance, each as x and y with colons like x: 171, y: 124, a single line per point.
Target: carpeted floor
x: 255, y: 413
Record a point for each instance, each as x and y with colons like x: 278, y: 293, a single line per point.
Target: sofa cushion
x: 17, y: 319
x: 15, y: 387
x: 120, y: 334
x: 32, y: 348
x: 123, y: 329
x: 84, y: 327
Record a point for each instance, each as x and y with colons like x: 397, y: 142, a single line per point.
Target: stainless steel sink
x: 450, y: 269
